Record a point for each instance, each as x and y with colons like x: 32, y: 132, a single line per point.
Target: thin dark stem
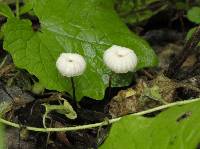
x: 73, y: 88
x: 189, y: 47
x: 110, y: 85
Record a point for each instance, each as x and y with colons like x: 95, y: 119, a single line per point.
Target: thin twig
x: 89, y: 126
x: 3, y: 62
x: 73, y: 88
x: 110, y: 85
x: 189, y: 47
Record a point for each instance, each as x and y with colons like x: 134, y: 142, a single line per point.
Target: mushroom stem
x: 109, y: 85
x: 73, y: 88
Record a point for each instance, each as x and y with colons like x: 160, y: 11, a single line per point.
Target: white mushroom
x: 120, y: 59
x: 70, y: 64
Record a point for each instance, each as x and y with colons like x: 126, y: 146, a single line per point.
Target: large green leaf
x: 87, y: 27
x: 175, y: 128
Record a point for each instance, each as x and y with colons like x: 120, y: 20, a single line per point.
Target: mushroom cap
x: 120, y: 59
x: 70, y: 64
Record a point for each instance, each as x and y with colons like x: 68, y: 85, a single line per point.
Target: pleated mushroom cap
x: 120, y: 59
x: 70, y: 64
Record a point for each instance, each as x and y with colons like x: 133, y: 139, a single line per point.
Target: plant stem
x: 107, y: 122
x: 17, y: 9
x: 73, y: 88
x: 109, y: 85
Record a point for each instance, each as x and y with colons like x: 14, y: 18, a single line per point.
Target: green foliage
x: 135, y: 11
x: 28, y: 5
x: 194, y: 14
x: 181, y: 5
x: 5, y: 10
x: 87, y: 27
x: 175, y: 128
x: 190, y: 32
x: 37, y: 88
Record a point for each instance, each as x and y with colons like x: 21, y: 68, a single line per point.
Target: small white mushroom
x: 120, y: 59
x: 70, y: 64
